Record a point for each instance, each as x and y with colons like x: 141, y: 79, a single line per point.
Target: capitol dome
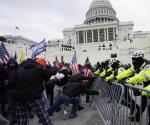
x: 100, y: 11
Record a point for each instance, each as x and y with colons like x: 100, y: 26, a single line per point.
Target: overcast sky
x: 39, y: 19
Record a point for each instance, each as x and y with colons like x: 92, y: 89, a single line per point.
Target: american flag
x: 87, y: 72
x: 74, y: 66
x: 4, y: 55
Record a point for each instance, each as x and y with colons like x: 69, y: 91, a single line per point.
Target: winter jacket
x: 3, y: 77
x: 30, y: 78
x: 11, y: 71
x: 74, y: 89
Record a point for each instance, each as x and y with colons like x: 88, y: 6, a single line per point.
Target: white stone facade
x: 101, y: 24
x: 99, y: 37
x: 19, y: 40
x: 102, y: 28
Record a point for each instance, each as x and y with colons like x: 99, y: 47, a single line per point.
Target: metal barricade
x: 119, y: 104
x: 108, y: 102
x: 135, y: 107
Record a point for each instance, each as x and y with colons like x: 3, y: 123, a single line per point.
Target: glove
x: 52, y: 77
x: 122, y: 83
x: 103, y: 79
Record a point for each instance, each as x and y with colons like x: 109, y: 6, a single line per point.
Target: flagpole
x: 45, y: 55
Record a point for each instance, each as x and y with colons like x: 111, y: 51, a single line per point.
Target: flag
x: 56, y: 59
x: 38, y: 49
x: 74, y: 66
x: 21, y: 58
x: 87, y: 72
x: 17, y: 28
x: 87, y: 61
x: 4, y: 55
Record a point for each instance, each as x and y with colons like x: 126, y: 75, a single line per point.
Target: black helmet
x: 115, y: 63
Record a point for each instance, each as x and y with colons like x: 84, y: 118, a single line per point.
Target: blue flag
x: 39, y: 48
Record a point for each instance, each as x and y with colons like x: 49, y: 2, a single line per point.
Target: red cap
x: 41, y: 61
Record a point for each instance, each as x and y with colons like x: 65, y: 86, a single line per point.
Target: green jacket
x: 142, y: 76
x: 125, y: 74
x: 112, y: 76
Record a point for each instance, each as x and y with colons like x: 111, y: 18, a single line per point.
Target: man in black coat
x: 3, y: 88
x: 12, y: 67
x: 28, y: 90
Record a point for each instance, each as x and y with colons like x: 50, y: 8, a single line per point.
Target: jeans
x: 61, y: 100
x: 44, y: 96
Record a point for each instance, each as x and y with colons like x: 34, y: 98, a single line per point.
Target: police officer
x: 116, y: 68
x: 139, y: 64
x: 142, y: 68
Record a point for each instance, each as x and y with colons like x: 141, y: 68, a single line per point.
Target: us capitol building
x: 101, y: 36
x: 101, y: 25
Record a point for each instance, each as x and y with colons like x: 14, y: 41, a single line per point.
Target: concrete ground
x: 87, y: 116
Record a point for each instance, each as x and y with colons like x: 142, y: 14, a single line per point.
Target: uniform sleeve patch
x: 147, y: 67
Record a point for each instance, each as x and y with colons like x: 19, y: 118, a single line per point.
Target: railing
x: 108, y: 102
x: 119, y: 104
x: 135, y: 107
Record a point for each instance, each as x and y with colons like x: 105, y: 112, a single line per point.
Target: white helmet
x: 138, y: 54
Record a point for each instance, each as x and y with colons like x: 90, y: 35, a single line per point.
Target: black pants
x: 128, y: 101
x: 50, y: 92
x: 3, y: 103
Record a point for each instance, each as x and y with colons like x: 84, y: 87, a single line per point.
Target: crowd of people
x: 37, y: 88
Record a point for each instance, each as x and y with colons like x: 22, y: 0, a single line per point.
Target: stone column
x: 98, y: 36
x: 117, y: 33
x: 86, y: 36
x: 83, y: 36
x: 114, y: 33
x: 92, y: 36
x: 107, y: 34
x: 78, y: 36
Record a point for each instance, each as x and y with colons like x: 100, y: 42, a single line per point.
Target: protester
x: 69, y: 95
x: 3, y: 88
x: 28, y: 91
x: 12, y: 67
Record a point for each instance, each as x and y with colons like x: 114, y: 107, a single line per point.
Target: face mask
x: 137, y: 62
